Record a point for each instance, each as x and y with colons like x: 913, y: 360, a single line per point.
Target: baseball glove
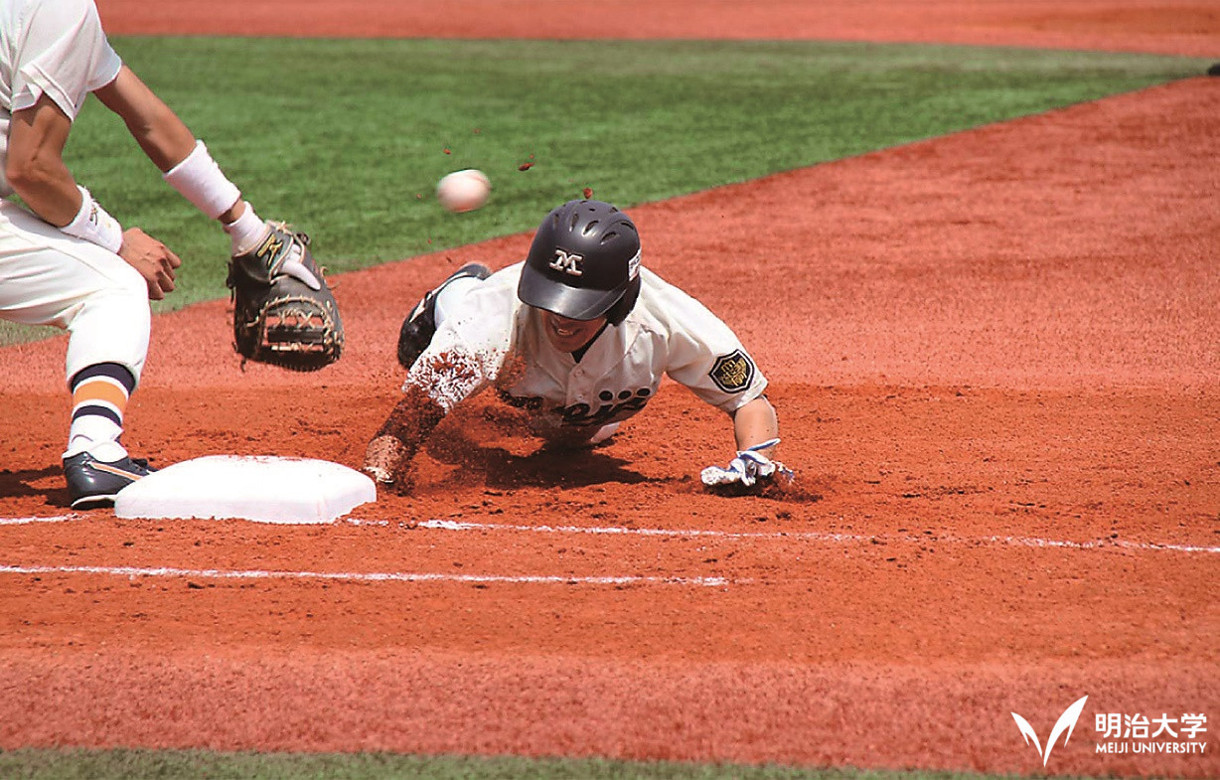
x: 283, y: 310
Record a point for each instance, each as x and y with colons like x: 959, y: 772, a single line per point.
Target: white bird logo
x: 1066, y: 722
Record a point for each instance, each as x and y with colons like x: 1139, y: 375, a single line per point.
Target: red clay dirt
x: 996, y: 361
x: 1164, y: 26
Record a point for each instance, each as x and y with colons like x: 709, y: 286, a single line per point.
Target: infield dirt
x: 980, y: 346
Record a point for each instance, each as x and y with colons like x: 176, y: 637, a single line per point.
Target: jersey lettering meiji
x: 51, y: 47
x: 492, y: 339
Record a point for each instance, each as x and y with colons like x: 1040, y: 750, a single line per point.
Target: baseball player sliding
x: 66, y: 262
x: 579, y: 335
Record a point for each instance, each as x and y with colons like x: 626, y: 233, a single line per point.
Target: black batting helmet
x: 584, y: 263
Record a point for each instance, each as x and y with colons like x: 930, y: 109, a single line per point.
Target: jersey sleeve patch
x: 733, y: 372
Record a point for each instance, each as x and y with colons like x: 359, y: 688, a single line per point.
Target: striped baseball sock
x: 99, y: 400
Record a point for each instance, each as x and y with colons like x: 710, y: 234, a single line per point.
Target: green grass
x: 347, y: 138
x: 27, y: 764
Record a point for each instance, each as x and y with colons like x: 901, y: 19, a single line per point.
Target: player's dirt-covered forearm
x: 388, y: 456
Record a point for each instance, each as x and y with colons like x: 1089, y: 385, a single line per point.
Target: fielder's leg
x: 47, y: 278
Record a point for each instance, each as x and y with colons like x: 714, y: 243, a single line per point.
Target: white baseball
x: 464, y: 190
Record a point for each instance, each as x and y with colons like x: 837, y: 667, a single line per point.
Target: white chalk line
x: 28, y: 520
x: 816, y: 536
x: 239, y: 574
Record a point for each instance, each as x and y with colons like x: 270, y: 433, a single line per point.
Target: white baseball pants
x: 48, y: 278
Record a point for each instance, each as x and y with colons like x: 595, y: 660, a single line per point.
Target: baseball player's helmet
x: 584, y: 263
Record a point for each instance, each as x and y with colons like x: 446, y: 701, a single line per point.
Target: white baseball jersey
x: 51, y: 47
x: 57, y: 48
x: 491, y: 338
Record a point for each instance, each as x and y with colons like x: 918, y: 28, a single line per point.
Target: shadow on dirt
x: 499, y: 468
x: 47, y: 482
x: 490, y: 444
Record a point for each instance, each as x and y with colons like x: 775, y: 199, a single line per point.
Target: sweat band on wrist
x: 199, y: 179
x: 93, y: 224
x: 246, y: 231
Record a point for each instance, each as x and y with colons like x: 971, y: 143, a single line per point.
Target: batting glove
x: 746, y: 469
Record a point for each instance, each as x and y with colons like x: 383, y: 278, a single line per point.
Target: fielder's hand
x: 746, y: 469
x: 154, y: 261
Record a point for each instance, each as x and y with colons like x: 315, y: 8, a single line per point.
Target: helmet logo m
x: 568, y: 263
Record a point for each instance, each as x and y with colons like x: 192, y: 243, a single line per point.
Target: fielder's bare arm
x: 579, y: 335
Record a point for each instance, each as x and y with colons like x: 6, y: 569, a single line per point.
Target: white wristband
x: 199, y: 179
x: 93, y: 224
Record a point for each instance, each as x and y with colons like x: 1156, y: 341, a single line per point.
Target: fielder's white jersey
x: 491, y: 338
x: 51, y: 47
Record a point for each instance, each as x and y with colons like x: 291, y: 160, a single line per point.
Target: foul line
x: 816, y: 536
x: 27, y: 520
x: 222, y: 574
x: 1020, y: 541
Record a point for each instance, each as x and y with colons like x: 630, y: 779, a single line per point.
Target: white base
x: 264, y: 489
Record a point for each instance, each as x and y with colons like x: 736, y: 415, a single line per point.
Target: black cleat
x: 94, y: 483
x: 420, y: 325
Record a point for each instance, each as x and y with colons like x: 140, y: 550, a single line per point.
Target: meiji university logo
x: 1066, y: 722
x: 1122, y: 732
x: 1125, y: 733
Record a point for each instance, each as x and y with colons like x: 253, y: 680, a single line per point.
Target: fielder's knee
x: 112, y: 325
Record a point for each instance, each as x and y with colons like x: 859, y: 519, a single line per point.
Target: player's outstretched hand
x: 746, y: 469
x: 387, y: 461
x: 154, y: 261
x: 383, y: 458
